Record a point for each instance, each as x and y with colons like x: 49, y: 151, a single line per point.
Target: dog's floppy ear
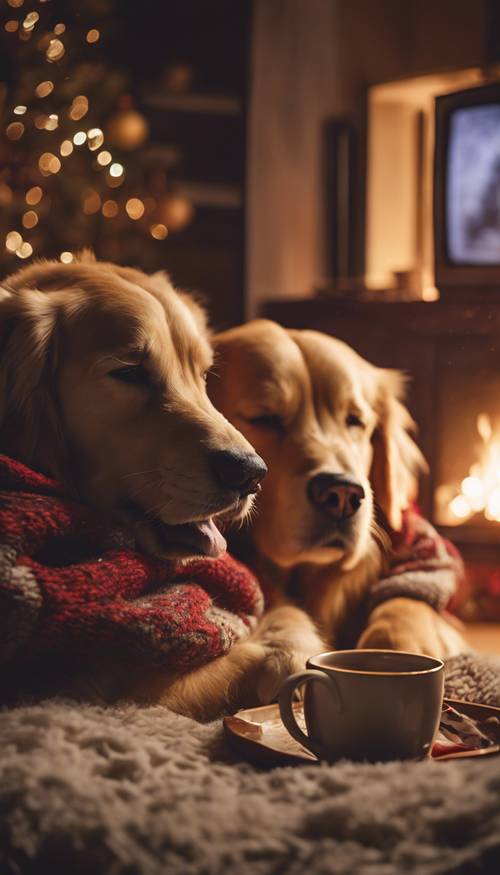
x: 30, y: 427
x: 397, y: 461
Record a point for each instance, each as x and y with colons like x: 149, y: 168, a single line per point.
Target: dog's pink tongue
x: 211, y: 539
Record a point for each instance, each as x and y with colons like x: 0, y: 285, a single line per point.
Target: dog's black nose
x: 339, y: 495
x: 241, y: 472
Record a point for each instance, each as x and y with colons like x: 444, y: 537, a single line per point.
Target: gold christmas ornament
x: 175, y: 211
x: 127, y: 129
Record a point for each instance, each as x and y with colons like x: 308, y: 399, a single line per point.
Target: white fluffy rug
x: 128, y: 791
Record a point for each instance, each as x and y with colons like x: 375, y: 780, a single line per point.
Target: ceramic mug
x: 367, y: 704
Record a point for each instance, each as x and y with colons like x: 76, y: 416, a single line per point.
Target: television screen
x: 473, y: 185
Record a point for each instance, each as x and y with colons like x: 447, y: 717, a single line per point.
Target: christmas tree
x: 75, y: 166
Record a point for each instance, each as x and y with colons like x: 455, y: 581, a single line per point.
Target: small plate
x: 258, y: 734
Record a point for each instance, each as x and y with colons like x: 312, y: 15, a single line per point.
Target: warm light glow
x: 79, y: 108
x: 104, y: 158
x: 55, y: 50
x: 34, y: 195
x: 15, y: 130
x: 95, y: 139
x: 30, y: 219
x: 158, y: 231
x: 41, y: 121
x: 11, y: 26
x: 134, y: 208
x: 30, y: 20
x: 52, y: 122
x: 492, y: 511
x: 176, y: 211
x: 66, y: 148
x: 480, y: 490
x: 79, y: 138
x: 15, y: 3
x: 116, y: 170
x: 20, y: 110
x: 6, y: 194
x: 49, y: 163
x: 109, y: 209
x: 66, y: 257
x: 459, y: 507
x: 91, y: 202
x: 25, y: 250
x: 93, y: 35
x: 59, y: 29
x: 43, y: 89
x: 13, y: 241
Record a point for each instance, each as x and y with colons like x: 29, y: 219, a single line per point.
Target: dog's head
x: 333, y: 432
x: 102, y: 385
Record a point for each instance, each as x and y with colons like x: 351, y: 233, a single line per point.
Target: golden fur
x: 309, y: 404
x: 135, y: 449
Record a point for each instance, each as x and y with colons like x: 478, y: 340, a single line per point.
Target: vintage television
x: 467, y: 190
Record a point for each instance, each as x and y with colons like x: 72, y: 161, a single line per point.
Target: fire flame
x: 480, y: 491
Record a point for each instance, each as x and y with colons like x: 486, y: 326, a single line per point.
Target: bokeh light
x: 49, y: 163
x: 55, y: 50
x: 43, y: 89
x: 95, y: 139
x: 30, y: 20
x: 30, y: 219
x: 13, y: 241
x: 110, y: 209
x: 79, y: 108
x: 104, y: 158
x: 34, y: 195
x: 25, y: 250
x: 93, y: 35
x: 66, y: 257
x: 66, y: 148
x: 91, y: 202
x: 158, y: 231
x: 134, y: 208
x: 15, y: 130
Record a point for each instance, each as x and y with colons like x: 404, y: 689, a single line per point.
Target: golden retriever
x: 103, y: 386
x: 335, y: 436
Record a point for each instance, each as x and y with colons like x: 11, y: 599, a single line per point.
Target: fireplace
x: 467, y: 457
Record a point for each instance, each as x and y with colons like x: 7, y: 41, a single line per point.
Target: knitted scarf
x: 70, y: 586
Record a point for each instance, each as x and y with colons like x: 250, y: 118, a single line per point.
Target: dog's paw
x: 274, y: 670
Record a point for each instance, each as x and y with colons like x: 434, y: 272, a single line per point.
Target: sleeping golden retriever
x: 102, y: 385
x: 335, y: 436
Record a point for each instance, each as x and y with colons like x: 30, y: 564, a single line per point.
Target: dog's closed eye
x: 269, y: 421
x: 134, y: 374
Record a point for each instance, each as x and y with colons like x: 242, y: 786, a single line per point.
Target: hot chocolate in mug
x: 367, y: 704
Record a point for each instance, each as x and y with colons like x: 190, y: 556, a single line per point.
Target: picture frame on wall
x: 340, y: 199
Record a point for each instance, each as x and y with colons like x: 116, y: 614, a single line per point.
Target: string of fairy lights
x: 49, y: 110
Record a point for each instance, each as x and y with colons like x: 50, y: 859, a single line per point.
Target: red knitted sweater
x: 70, y: 585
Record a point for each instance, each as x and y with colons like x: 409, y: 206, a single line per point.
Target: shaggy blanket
x: 69, y: 584
x: 125, y: 791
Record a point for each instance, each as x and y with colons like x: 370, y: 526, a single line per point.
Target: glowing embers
x: 480, y: 490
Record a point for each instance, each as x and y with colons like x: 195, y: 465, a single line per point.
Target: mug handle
x: 285, y: 700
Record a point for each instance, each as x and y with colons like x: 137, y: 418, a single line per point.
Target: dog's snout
x: 338, y: 495
x: 241, y: 472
